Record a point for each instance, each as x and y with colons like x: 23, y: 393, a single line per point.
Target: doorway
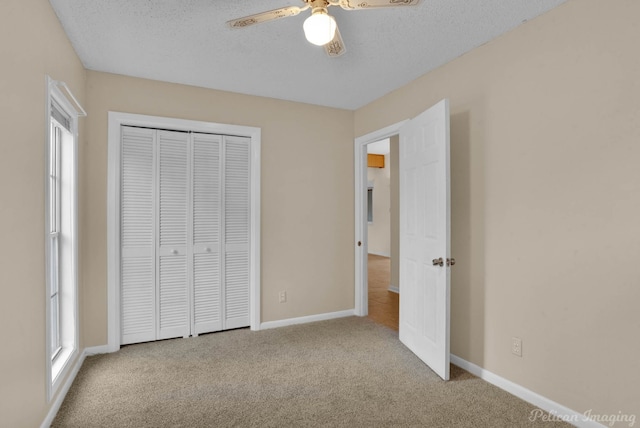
x: 424, y: 235
x: 382, y: 232
x: 361, y: 211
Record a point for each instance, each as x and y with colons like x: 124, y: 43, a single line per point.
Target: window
x: 370, y: 204
x: 54, y: 207
x: 61, y: 236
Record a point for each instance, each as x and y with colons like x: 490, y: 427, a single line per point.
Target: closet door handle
x: 174, y: 251
x: 208, y: 250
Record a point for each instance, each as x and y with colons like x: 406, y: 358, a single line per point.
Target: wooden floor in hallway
x: 383, y: 304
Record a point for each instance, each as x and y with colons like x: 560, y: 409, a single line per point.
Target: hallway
x: 383, y: 304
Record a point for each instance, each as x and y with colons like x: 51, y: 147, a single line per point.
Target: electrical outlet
x: 282, y: 296
x: 516, y: 346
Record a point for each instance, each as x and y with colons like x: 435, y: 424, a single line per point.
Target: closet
x: 184, y: 233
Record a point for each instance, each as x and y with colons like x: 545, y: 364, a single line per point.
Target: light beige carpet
x: 348, y: 372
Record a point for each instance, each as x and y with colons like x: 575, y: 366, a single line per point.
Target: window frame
x: 61, y: 276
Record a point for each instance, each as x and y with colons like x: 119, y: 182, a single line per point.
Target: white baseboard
x: 379, y: 253
x: 307, y: 319
x: 95, y: 350
x: 556, y: 411
x: 62, y: 393
x: 394, y: 289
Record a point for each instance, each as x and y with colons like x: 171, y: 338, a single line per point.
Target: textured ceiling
x: 187, y: 41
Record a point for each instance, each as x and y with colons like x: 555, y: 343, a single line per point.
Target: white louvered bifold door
x: 137, y: 241
x: 236, y: 231
x: 185, y: 213
x: 207, y: 220
x: 172, y: 262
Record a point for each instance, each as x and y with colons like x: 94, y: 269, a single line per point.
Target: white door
x: 425, y: 237
x: 236, y: 231
x: 172, y: 258
x: 207, y: 236
x: 137, y: 234
x: 185, y: 237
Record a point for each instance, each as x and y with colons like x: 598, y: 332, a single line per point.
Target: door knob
x: 359, y: 243
x: 208, y: 250
x: 438, y: 262
x: 174, y: 251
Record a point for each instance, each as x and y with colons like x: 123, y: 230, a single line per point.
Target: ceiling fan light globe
x: 319, y: 28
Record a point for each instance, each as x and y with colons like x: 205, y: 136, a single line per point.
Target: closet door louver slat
x: 137, y: 273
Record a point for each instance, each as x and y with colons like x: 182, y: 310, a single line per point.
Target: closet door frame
x: 115, y: 121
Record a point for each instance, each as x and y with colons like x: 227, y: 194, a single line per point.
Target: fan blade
x: 371, y: 4
x: 336, y: 46
x: 266, y: 16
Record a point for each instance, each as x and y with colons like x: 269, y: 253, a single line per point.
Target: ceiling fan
x: 320, y: 28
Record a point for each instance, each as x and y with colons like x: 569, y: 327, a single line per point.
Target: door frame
x: 361, y: 225
x: 115, y: 121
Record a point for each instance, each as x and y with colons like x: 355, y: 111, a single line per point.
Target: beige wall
x: 545, y: 167
x: 307, y: 202
x: 379, y: 232
x: 32, y: 45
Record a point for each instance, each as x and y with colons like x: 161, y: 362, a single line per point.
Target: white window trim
x: 56, y: 371
x: 116, y: 121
